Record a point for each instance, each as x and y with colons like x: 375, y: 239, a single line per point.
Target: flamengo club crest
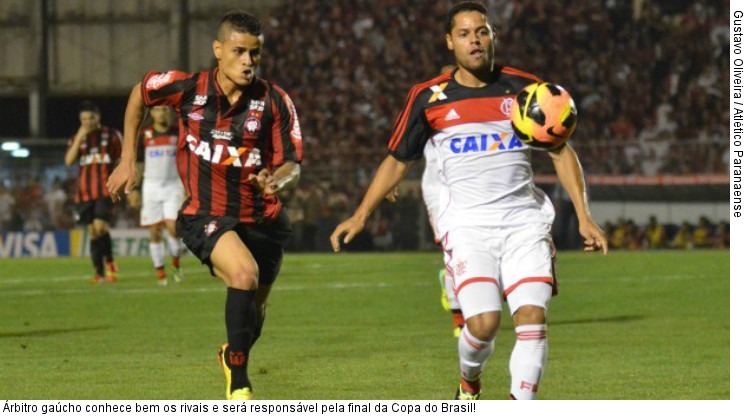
x: 211, y: 228
x: 252, y: 124
x: 460, y: 267
x: 506, y: 106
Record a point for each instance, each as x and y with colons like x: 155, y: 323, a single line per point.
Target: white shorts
x: 513, y: 262
x: 160, y: 202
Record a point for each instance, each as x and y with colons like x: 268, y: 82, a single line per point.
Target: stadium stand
x: 649, y: 97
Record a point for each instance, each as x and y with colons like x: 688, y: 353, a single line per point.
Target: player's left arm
x: 286, y: 142
x: 571, y: 176
x: 285, y: 177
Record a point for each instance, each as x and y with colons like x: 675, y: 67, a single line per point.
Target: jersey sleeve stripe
x: 402, y: 122
x: 403, y: 118
x: 143, y: 90
x: 166, y: 92
x: 284, y: 119
x: 520, y: 73
x: 277, y: 133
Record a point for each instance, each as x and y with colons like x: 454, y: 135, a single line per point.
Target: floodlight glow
x: 20, y: 153
x: 10, y: 146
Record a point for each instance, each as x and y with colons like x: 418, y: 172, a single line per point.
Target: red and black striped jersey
x: 220, y: 144
x: 98, y: 155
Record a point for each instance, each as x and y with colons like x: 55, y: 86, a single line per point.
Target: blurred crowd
x: 648, y: 78
x: 28, y: 206
x: 649, y: 82
x: 626, y: 234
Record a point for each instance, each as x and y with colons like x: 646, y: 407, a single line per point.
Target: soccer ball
x: 543, y: 116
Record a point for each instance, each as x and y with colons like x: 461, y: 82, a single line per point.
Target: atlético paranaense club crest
x: 210, y: 228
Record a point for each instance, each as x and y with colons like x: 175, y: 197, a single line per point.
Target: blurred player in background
x: 162, y: 191
x: 239, y: 145
x: 495, y: 223
x: 97, y: 149
x: 430, y: 188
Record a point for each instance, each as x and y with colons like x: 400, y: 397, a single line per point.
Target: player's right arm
x: 125, y: 174
x: 73, y: 152
x: 410, y: 134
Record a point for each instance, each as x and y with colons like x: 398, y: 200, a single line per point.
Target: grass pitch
x: 645, y: 325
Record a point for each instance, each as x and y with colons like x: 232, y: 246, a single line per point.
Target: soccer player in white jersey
x: 162, y: 191
x: 495, y: 222
x: 430, y: 185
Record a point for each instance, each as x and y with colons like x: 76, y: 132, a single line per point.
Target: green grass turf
x: 645, y: 325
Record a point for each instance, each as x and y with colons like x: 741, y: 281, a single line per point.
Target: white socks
x: 174, y: 245
x: 157, y: 253
x: 473, y: 355
x: 528, y: 360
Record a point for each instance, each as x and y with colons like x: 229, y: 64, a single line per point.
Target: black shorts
x: 86, y: 212
x: 265, y: 241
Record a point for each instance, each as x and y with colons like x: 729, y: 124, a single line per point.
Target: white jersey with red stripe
x: 158, y: 152
x: 484, y: 168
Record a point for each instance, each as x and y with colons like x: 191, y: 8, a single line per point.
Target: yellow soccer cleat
x: 463, y: 395
x: 242, y: 394
x: 225, y: 369
x: 178, y: 275
x: 443, y: 298
x: 112, y: 272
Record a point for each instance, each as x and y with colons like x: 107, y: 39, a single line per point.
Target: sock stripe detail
x: 528, y: 336
x: 477, y: 344
x: 531, y: 332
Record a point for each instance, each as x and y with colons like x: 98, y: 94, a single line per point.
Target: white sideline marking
x: 202, y: 270
x: 216, y: 288
x: 277, y: 287
x: 81, y: 277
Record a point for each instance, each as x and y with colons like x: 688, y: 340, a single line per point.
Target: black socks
x: 240, y: 320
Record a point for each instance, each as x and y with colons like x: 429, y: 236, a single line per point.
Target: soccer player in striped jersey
x: 239, y: 145
x: 162, y: 191
x: 495, y: 223
x: 96, y: 148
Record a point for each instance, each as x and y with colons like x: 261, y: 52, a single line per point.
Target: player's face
x: 238, y: 55
x: 90, y: 120
x: 471, y: 39
x: 160, y: 115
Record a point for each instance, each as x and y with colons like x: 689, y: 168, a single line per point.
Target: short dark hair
x: 464, y: 6
x: 239, y: 21
x: 88, y: 106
